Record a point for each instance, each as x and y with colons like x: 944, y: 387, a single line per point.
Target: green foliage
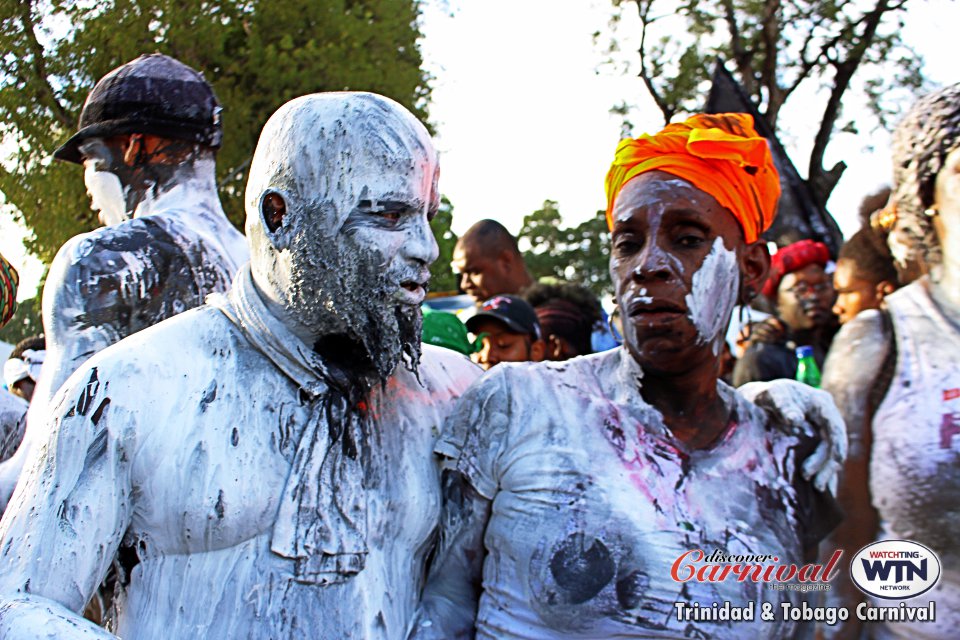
x: 442, y: 278
x: 579, y: 254
x: 26, y: 322
x: 258, y: 54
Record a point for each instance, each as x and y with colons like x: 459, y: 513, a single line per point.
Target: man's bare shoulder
x: 173, y: 347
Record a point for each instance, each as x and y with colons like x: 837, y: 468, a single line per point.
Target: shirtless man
x: 148, y: 135
x: 263, y: 464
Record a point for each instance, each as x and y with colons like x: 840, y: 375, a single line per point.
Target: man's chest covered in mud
x: 219, y: 472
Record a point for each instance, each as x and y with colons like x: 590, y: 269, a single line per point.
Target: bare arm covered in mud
x: 850, y: 372
x: 449, y: 606
x: 66, y: 518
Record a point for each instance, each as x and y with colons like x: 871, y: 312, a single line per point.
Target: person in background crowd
x: 568, y: 314
x: 13, y: 408
x: 895, y: 374
x: 804, y: 296
x: 22, y: 368
x: 507, y: 330
x: 864, y: 276
x: 865, y: 272
x: 488, y: 262
x: 572, y: 487
x: 445, y: 330
x: 147, y: 140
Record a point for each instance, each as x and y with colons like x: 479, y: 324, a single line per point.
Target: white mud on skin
x: 713, y: 294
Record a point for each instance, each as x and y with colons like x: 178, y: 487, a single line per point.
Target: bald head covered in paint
x: 341, y: 192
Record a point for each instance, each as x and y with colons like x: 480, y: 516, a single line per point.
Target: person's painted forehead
x: 658, y: 192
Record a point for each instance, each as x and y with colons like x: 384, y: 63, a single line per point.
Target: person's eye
x: 626, y: 245
x: 690, y: 241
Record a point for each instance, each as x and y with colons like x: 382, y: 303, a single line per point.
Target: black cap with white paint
x: 154, y: 94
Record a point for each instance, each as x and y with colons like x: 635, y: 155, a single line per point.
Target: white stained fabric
x: 594, y: 500
x: 915, y: 460
x: 180, y: 440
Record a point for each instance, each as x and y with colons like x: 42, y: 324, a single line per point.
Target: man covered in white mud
x: 147, y: 138
x: 262, y: 465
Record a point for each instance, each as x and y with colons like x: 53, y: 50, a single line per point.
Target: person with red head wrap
x: 803, y: 292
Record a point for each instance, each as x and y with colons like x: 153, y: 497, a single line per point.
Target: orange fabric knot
x: 721, y: 154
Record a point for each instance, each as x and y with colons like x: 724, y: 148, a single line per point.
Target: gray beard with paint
x: 346, y: 299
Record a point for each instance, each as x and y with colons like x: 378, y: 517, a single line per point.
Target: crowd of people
x: 272, y: 434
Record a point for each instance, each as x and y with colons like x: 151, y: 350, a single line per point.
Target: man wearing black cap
x: 147, y: 137
x: 508, y: 331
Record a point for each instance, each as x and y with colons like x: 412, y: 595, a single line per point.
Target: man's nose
x: 421, y: 245
x: 652, y: 264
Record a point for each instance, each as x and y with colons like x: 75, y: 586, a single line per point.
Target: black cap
x: 153, y: 94
x: 512, y: 311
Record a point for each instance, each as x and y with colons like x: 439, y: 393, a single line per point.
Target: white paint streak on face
x: 106, y: 194
x: 641, y: 297
x: 713, y: 294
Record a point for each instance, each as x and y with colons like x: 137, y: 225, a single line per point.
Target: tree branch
x: 741, y: 57
x: 47, y: 94
x: 770, y: 33
x: 643, y: 9
x: 823, y: 181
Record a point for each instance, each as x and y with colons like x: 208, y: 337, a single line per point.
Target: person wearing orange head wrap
x: 571, y: 490
x: 721, y: 154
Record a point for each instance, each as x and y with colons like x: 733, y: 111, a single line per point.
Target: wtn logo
x: 895, y: 569
x: 903, y: 570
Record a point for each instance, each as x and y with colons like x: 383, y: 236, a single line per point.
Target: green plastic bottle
x: 807, y: 370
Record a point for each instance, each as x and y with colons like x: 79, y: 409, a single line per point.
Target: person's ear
x: 133, y: 148
x: 754, y: 267
x: 273, y: 216
x: 538, y: 350
x: 554, y: 348
x: 884, y: 288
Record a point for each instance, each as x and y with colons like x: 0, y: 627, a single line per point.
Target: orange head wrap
x: 720, y: 154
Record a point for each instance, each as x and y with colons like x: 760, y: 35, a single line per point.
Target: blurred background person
x: 895, y: 375
x: 488, y: 262
x: 865, y: 271
x: 507, y: 330
x: 803, y: 291
x: 568, y: 314
x: 22, y: 369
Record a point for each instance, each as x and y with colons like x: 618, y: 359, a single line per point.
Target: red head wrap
x: 794, y: 257
x: 720, y: 154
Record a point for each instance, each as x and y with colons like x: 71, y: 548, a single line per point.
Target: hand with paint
x: 792, y: 406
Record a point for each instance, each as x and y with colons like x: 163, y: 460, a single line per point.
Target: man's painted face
x: 107, y: 196
x: 481, y: 275
x: 500, y: 344
x: 367, y: 278
x: 675, y: 271
x: 805, y: 298
x: 854, y: 294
